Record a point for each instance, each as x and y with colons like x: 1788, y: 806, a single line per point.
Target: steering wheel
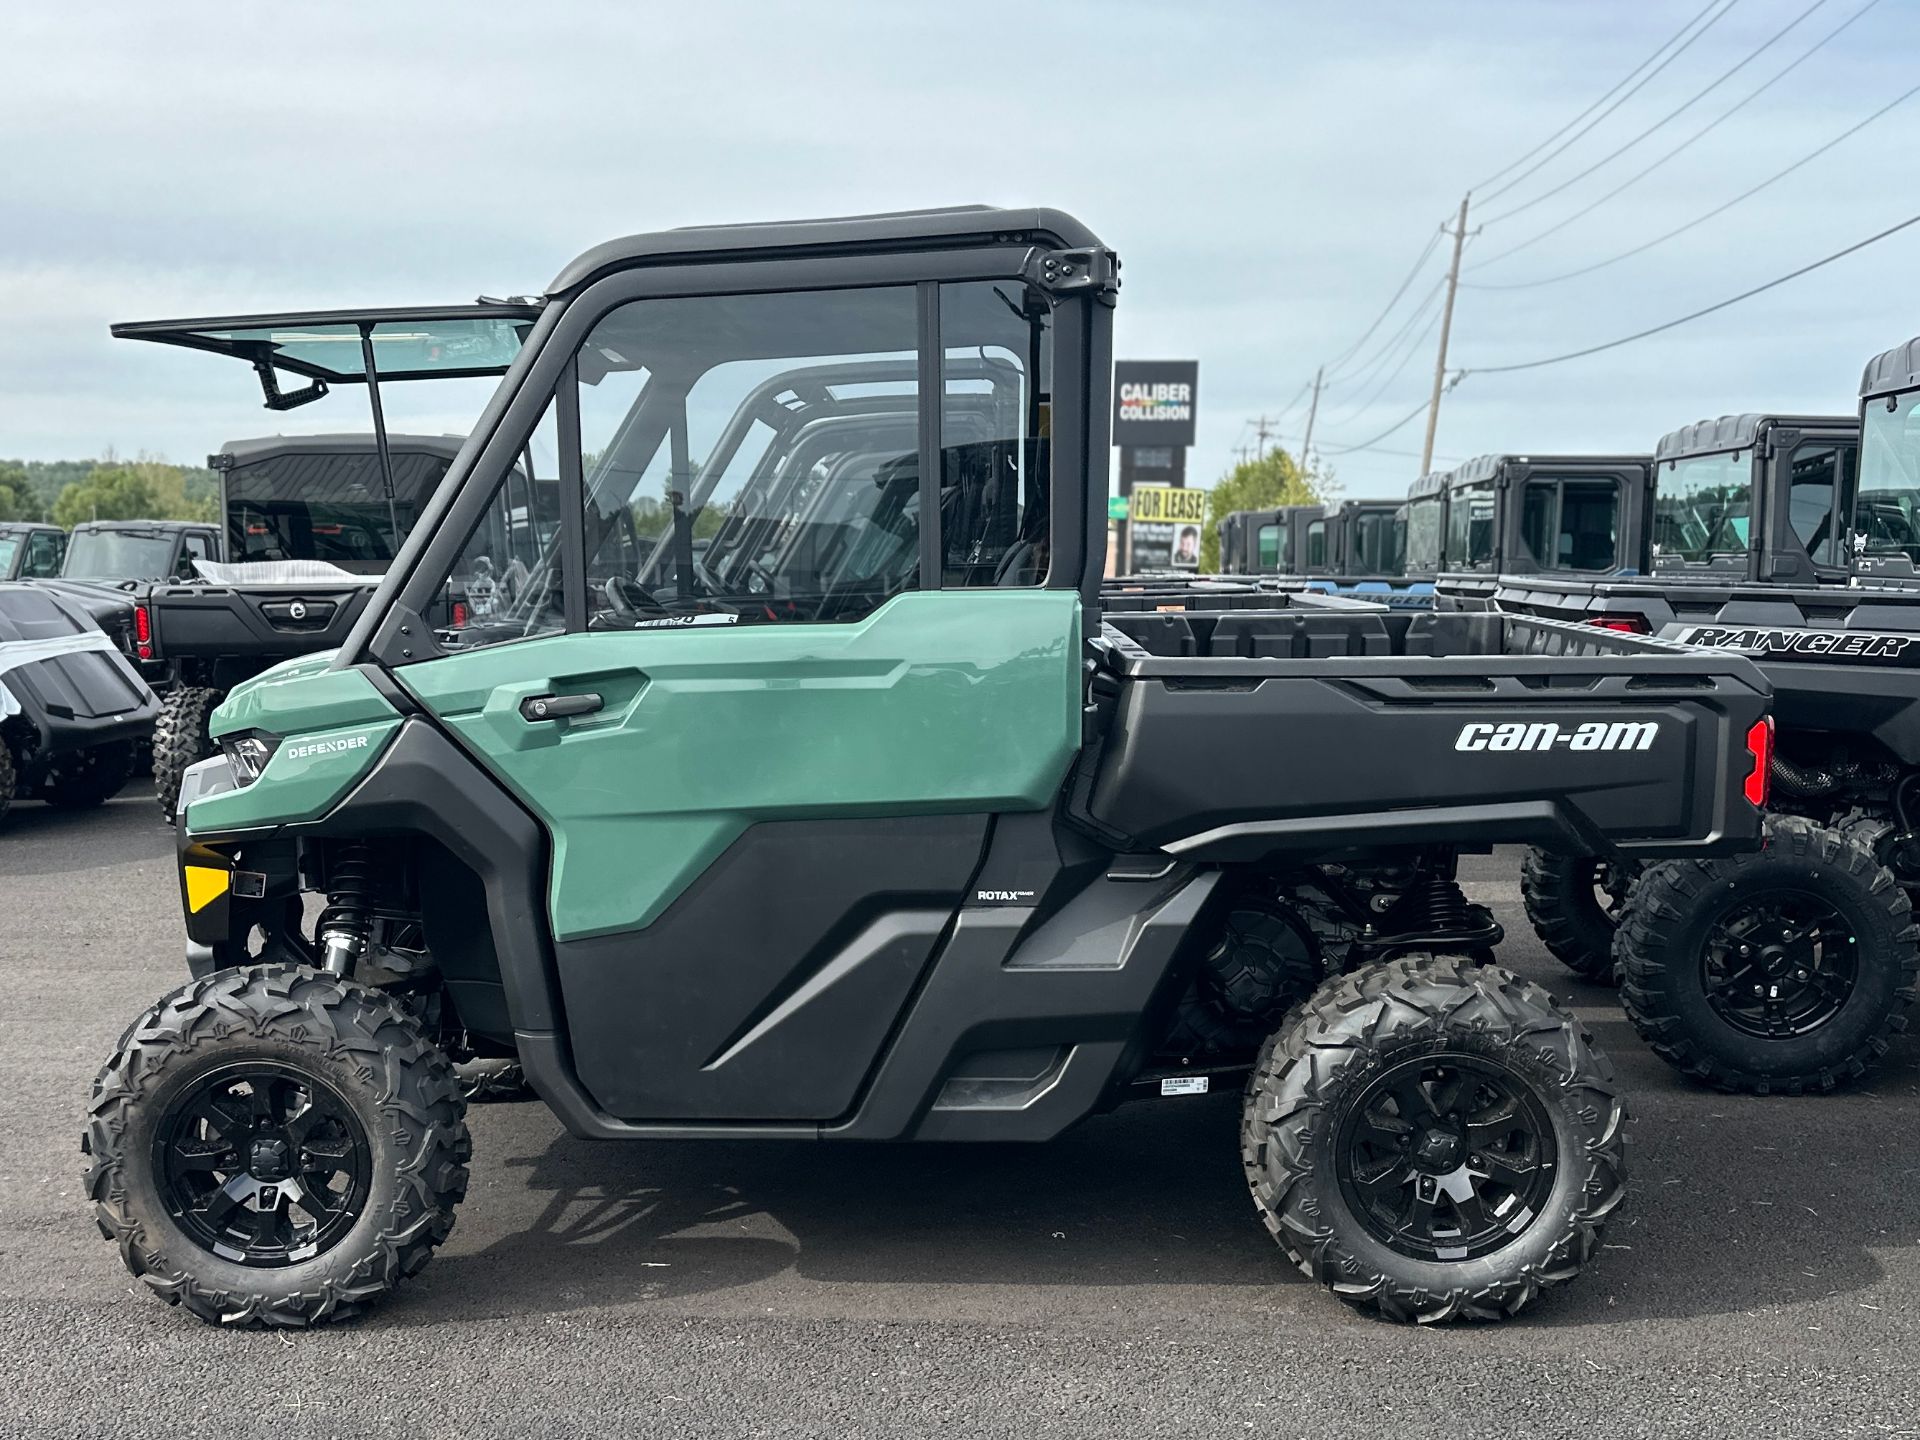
x: 627, y: 597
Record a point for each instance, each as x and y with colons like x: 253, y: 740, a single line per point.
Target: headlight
x: 248, y: 755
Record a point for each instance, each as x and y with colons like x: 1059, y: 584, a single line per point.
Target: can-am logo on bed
x: 1869, y: 647
x: 1547, y: 735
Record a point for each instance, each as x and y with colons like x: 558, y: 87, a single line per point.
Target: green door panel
x: 942, y: 702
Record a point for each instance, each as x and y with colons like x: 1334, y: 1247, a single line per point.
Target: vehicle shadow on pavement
x: 1737, y: 1204
x: 1152, y: 1195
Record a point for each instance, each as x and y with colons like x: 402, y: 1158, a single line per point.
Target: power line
x: 1630, y: 93
x: 1720, y: 209
x: 1378, y: 362
x: 1691, y: 140
x: 1413, y: 347
x: 1347, y: 354
x: 1697, y: 314
x: 1482, y: 184
x: 1397, y: 425
x: 1663, y: 121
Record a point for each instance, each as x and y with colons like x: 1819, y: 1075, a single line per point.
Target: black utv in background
x: 109, y: 565
x: 30, y: 550
x: 309, y: 530
x: 878, y: 817
x: 1787, y: 970
x: 1349, y: 547
x: 1540, y: 515
x: 72, y: 708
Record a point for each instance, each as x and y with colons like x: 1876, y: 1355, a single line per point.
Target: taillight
x: 1760, y: 753
x: 1626, y: 624
x: 142, y: 632
x: 459, y: 614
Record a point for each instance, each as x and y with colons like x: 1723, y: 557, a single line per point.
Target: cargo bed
x: 1293, y: 732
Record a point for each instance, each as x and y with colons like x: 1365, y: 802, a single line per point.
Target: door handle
x: 536, y: 708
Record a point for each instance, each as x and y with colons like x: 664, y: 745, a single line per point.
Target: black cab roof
x: 264, y: 447
x: 1895, y: 369
x: 155, y: 527
x: 956, y: 226
x: 1734, y: 432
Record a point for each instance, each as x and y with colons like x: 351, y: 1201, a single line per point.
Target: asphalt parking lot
x: 1115, y: 1282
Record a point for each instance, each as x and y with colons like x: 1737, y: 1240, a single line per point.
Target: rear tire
x: 9, y: 777
x: 1502, y: 1085
x: 1264, y: 964
x: 86, y: 778
x: 1563, y: 893
x: 1816, y: 1002
x: 198, y: 1178
x: 180, y: 739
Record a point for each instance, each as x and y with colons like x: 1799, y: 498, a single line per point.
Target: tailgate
x: 1583, y: 743
x: 219, y: 620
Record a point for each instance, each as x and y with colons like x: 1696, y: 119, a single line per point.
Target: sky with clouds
x: 1269, y: 172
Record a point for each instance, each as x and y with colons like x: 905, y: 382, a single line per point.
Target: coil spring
x: 1445, y: 905
x: 350, y: 896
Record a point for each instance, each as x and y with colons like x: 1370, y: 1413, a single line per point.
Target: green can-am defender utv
x: 793, y: 786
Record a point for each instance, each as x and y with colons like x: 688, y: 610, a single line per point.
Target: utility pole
x: 1313, y: 408
x: 1262, y: 430
x: 1446, y: 329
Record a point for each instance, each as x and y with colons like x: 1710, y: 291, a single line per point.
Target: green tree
x: 17, y: 500
x: 111, y: 492
x: 1273, y: 480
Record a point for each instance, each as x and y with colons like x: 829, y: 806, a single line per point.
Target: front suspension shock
x: 346, y: 925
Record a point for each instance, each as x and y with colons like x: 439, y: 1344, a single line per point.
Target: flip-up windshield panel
x: 407, y: 345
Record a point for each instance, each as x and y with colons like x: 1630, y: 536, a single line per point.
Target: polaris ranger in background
x: 864, y: 820
x: 309, y: 530
x: 1788, y: 970
x: 1351, y: 547
x: 30, y: 550
x: 1540, y: 515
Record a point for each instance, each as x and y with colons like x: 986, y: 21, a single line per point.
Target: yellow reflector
x: 204, y: 886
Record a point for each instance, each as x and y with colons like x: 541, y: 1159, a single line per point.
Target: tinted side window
x: 45, y: 550
x: 1813, y: 475
x: 1539, y: 526
x: 1269, y: 547
x: 1316, y: 545
x: 996, y: 413
x: 1588, y: 537
x: 756, y: 459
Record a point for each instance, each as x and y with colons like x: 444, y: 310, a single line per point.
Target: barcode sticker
x: 1184, y: 1085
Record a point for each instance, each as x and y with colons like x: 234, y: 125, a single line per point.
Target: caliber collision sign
x: 1153, y: 401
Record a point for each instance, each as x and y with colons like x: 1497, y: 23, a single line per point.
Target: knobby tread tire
x: 1660, y: 965
x: 1264, y: 964
x: 1557, y: 891
x: 180, y: 739
x: 362, y: 1043
x: 89, y: 777
x: 1311, y: 1069
x: 9, y: 778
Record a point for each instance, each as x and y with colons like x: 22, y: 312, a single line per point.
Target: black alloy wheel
x: 1780, y: 964
x: 1446, y: 1157
x: 261, y: 1165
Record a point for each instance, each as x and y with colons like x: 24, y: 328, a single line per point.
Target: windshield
x: 332, y: 507
x: 1886, y: 517
x: 1379, y: 543
x: 118, y: 555
x: 1423, y: 535
x: 1702, y: 507
x: 1470, y: 527
x: 9, y: 547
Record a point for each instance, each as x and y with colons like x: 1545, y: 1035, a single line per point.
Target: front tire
x: 1784, y: 971
x: 1434, y: 1140
x: 180, y: 739
x: 273, y: 1146
x: 90, y: 777
x: 1574, y: 903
